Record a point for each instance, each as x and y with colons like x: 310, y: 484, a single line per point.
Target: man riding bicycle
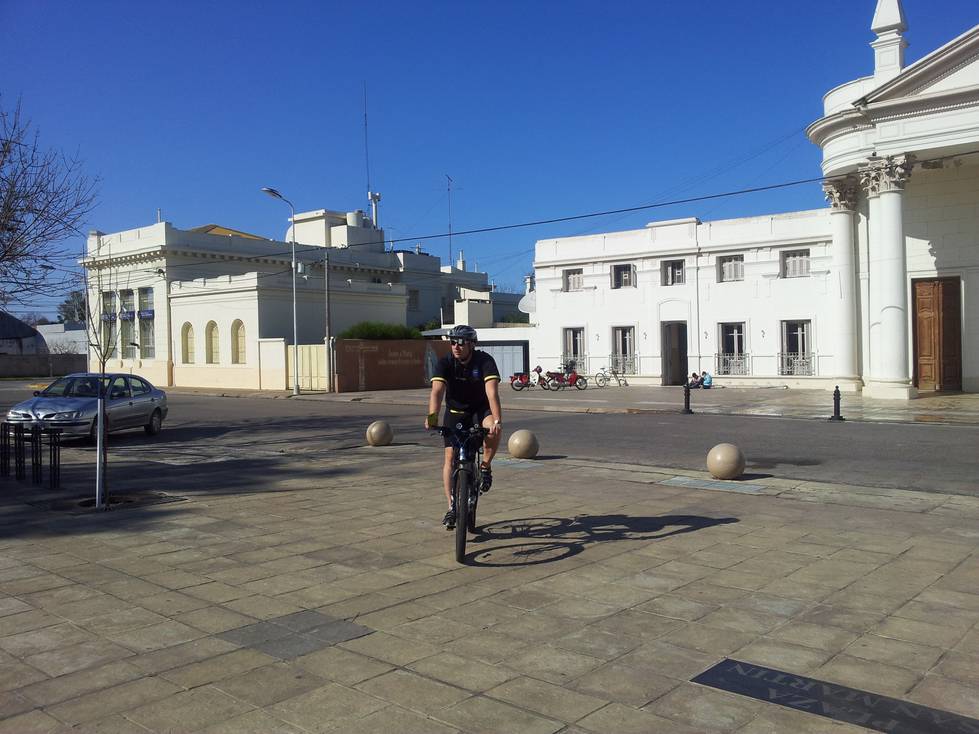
x: 469, y: 381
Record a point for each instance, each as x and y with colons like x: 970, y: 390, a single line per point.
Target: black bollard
x: 54, y: 458
x: 20, y: 463
x: 4, y: 449
x: 37, y: 472
x: 836, y: 406
x: 686, y: 399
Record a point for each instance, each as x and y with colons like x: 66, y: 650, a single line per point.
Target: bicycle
x: 467, y: 444
x: 603, y: 375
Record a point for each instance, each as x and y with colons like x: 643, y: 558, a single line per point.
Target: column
x: 890, y: 343
x: 842, y: 196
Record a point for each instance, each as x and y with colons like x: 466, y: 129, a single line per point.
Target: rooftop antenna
x: 159, y: 215
x: 367, y: 156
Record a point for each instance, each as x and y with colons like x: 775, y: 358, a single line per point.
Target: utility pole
x: 449, y: 179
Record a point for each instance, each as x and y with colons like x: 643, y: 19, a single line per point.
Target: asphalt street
x: 217, y: 443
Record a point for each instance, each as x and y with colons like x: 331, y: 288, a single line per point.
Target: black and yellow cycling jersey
x: 466, y: 383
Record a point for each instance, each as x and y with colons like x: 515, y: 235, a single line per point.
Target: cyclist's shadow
x: 549, y: 539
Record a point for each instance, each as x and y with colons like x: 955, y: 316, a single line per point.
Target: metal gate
x: 312, y: 367
x: 511, y: 357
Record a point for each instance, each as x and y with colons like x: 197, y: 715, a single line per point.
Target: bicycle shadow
x: 550, y: 539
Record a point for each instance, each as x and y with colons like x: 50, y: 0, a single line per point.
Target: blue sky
x: 536, y: 110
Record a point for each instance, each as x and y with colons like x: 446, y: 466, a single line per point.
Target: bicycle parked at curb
x: 604, y: 375
x: 467, y: 444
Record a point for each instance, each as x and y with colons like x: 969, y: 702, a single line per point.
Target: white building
x: 212, y: 306
x: 872, y: 294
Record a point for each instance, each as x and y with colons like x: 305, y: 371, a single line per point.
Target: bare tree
x: 73, y: 307
x: 45, y: 199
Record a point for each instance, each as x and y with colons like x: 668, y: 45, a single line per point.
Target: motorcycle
x: 569, y: 377
x: 521, y: 379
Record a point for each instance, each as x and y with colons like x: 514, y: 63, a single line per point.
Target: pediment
x: 953, y: 68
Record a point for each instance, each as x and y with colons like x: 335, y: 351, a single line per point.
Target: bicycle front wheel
x: 601, y: 380
x: 463, y: 482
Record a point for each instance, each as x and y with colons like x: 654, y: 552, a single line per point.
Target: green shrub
x: 380, y: 330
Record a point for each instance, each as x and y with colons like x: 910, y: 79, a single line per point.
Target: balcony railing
x: 797, y: 363
x: 732, y: 364
x: 574, y: 361
x: 624, y: 364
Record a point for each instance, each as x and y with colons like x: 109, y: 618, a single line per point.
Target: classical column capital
x: 883, y: 175
x: 841, y: 193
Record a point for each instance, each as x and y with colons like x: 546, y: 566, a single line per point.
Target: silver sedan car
x: 71, y: 403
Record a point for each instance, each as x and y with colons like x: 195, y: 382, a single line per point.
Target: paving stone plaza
x: 593, y: 595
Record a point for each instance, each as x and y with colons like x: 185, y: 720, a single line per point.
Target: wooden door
x: 937, y: 338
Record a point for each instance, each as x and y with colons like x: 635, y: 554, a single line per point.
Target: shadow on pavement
x: 549, y: 539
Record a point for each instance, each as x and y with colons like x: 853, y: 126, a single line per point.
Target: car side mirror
x: 37, y: 393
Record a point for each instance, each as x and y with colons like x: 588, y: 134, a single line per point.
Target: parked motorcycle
x: 521, y: 379
x: 569, y: 377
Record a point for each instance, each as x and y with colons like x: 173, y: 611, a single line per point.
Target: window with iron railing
x: 574, y: 346
x: 796, y: 357
x: 728, y: 363
x: 623, y: 359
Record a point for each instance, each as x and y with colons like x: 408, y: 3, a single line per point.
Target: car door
x: 143, y: 402
x: 119, y: 403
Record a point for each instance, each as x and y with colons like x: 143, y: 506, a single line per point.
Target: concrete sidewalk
x: 947, y: 408
x: 593, y: 595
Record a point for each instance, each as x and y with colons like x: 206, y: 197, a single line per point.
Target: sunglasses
x: 459, y: 342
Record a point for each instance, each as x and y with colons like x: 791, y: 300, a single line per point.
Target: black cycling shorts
x: 450, y: 418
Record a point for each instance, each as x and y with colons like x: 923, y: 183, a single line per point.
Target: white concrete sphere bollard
x: 523, y: 444
x: 725, y: 461
x: 379, y: 433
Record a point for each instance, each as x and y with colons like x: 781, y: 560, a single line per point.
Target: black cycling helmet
x: 462, y: 331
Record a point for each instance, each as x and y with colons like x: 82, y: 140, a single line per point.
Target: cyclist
x: 469, y: 381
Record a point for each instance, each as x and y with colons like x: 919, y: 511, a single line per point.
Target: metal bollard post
x: 4, y: 449
x: 37, y: 472
x: 20, y: 464
x: 54, y: 458
x: 836, y: 406
x: 686, y: 399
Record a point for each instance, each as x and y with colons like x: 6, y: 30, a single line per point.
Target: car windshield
x: 73, y: 387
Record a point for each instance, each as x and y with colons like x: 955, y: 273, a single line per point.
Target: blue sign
x: 127, y: 315
x: 108, y: 317
x: 146, y: 313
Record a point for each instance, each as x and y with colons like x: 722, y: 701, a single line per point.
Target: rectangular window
x: 127, y: 339
x: 573, y: 280
x: 730, y: 268
x: 147, y: 339
x: 795, y: 264
x: 673, y: 272
x: 127, y: 301
x: 623, y: 276
x: 574, y: 347
x: 109, y: 316
x: 145, y: 299
x: 412, y: 300
x: 796, y: 357
x: 623, y: 358
x: 732, y: 360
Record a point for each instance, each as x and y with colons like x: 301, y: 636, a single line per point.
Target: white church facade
x: 877, y: 293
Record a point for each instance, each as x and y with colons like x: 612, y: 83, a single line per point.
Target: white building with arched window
x: 212, y: 306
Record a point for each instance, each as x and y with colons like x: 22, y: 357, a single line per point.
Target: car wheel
x: 155, y: 425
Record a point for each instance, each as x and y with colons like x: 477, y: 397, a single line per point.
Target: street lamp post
x: 295, y: 329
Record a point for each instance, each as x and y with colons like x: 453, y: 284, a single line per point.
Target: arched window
x: 238, y: 342
x: 212, y: 354
x: 187, y: 343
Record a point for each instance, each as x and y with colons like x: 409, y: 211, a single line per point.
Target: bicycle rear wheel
x: 463, y: 481
x: 601, y: 380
